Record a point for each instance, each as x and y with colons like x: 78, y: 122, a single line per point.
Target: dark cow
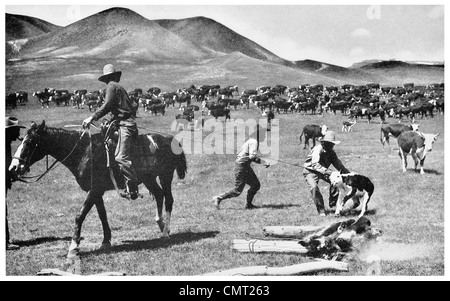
x: 417, y: 145
x: 245, y: 101
x: 230, y: 102
x: 93, y: 100
x: 225, y: 92
x: 157, y: 108
x: 211, y: 105
x: 250, y: 92
x: 61, y: 99
x: 154, y: 91
x: 76, y: 101
x: 11, y: 100
x: 312, y: 131
x: 283, y: 105
x: 22, y: 96
x: 395, y: 130
x: 216, y: 113
x: 191, y: 108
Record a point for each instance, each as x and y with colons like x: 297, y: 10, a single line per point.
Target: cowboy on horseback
x: 123, y: 112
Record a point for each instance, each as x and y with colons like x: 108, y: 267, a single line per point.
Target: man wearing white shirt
x: 244, y: 173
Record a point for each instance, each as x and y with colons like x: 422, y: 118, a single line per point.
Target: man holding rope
x: 123, y: 111
x: 316, y: 168
x: 244, y: 173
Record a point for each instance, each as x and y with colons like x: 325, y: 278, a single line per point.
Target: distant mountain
x: 401, y: 72
x: 364, y: 63
x: 367, y: 64
x: 114, y: 33
x: 209, y: 34
x: 22, y: 27
x: 180, y: 51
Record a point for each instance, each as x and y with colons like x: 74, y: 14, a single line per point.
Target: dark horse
x: 73, y: 150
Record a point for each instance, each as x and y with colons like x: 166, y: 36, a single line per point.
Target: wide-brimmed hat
x: 329, y: 136
x: 108, y: 71
x: 12, y: 122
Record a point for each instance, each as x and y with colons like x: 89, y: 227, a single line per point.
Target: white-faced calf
x: 357, y: 187
x: 417, y: 145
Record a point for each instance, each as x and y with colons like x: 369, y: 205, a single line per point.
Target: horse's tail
x: 181, y: 165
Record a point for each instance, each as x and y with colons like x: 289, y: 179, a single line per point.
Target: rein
x: 21, y: 179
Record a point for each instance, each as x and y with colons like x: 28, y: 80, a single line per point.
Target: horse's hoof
x: 105, y: 246
x: 73, y: 254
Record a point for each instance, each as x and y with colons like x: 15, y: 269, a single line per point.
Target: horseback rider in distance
x: 123, y: 112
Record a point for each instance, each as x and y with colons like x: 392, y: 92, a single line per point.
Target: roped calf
x: 353, y: 186
x: 417, y: 145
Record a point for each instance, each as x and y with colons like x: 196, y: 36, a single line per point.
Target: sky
x: 335, y: 34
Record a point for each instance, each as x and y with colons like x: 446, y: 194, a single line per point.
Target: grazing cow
x: 76, y: 101
x: 395, y: 130
x: 357, y: 187
x: 312, y: 131
x: 43, y: 96
x: 59, y: 99
x: 11, y: 100
x: 157, y: 108
x: 22, y: 96
x: 348, y: 125
x: 216, y: 113
x: 230, y: 102
x: 190, y: 108
x: 417, y: 145
x: 211, y: 105
x: 245, y: 101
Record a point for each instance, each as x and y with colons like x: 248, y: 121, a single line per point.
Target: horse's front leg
x: 104, y: 220
x: 74, y: 247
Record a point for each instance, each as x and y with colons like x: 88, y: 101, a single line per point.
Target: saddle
x: 143, y: 151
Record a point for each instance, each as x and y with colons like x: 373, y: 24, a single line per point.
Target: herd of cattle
x: 366, y: 101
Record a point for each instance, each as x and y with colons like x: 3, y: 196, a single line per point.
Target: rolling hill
x: 181, y: 51
x: 22, y: 27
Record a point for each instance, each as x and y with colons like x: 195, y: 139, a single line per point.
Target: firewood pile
x: 332, y: 242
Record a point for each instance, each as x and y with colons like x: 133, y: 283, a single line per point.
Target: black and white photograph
x: 224, y: 141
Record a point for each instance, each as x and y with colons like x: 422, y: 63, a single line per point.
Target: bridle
x: 52, y: 166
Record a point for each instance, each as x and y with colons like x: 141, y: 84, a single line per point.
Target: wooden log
x: 268, y: 246
x: 57, y: 272
x: 290, y: 231
x: 297, y: 269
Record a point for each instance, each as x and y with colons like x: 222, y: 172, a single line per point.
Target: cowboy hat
x: 12, y: 122
x: 109, y: 70
x: 329, y: 136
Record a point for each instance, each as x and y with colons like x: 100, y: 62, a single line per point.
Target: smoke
x: 389, y: 251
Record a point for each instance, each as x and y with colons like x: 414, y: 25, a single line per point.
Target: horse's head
x: 30, y: 151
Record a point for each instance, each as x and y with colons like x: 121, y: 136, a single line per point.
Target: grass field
x: 407, y: 207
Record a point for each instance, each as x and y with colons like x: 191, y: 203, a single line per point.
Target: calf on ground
x: 312, y: 131
x: 417, y: 145
x: 357, y: 187
x: 395, y: 130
